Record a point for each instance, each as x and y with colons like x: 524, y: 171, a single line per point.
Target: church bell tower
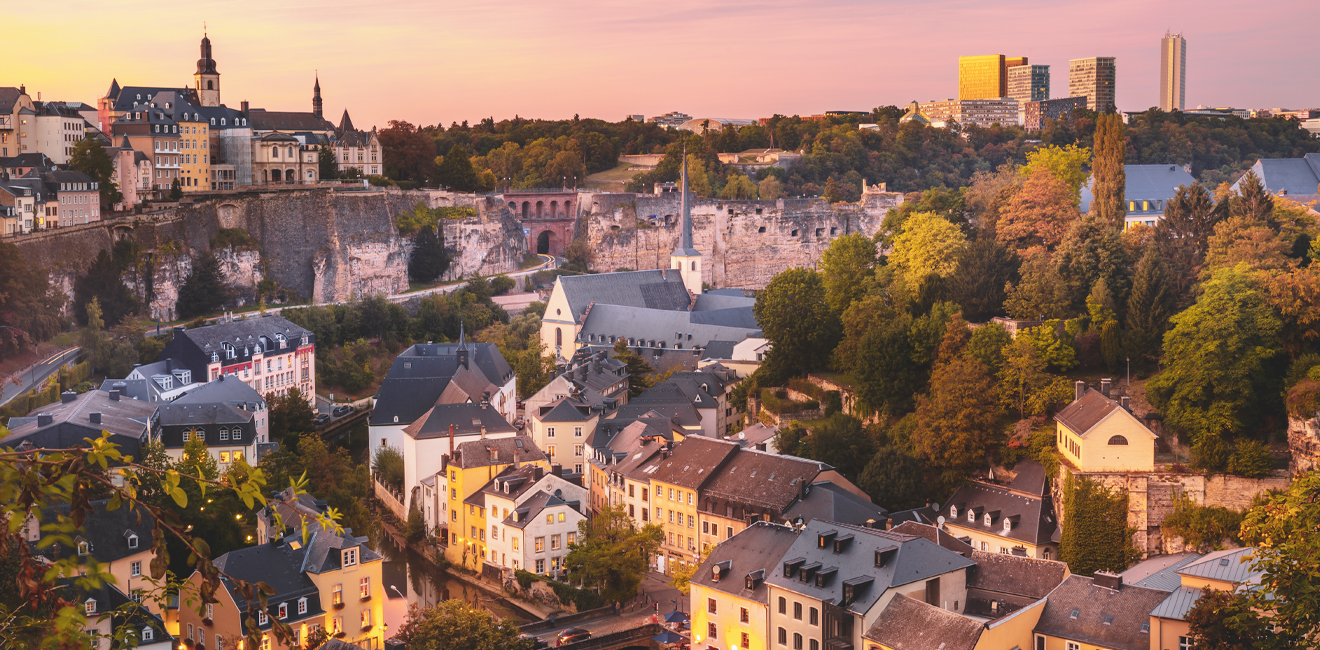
x: 686, y: 259
x: 207, y: 79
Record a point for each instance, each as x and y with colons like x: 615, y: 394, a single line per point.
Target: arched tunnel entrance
x: 545, y: 243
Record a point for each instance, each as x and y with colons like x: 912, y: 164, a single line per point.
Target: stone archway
x: 545, y: 243
x: 290, y: 177
x: 274, y: 175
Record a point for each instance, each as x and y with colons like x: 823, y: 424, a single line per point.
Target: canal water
x: 409, y: 579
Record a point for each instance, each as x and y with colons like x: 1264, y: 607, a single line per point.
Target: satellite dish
x: 940, y: 519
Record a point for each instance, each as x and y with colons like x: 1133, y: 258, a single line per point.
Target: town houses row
x: 158, y: 136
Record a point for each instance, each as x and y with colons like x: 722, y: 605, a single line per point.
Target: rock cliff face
x: 319, y: 244
x: 745, y: 243
x: 1303, y: 445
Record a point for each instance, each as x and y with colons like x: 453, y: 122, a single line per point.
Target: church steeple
x: 207, y: 78
x: 685, y: 258
x: 316, y: 97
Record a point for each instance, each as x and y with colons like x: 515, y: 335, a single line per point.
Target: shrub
x: 1251, y: 459
x: 833, y: 402
x: 388, y: 466
x: 456, y: 212
x: 776, y: 401
x: 1304, y: 399
x: 233, y: 238
x: 415, y: 530
x: 501, y: 284
x: 1203, y: 527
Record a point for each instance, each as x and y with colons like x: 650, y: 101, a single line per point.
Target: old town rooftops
x: 909, y: 624
x: 745, y: 560
x: 467, y: 419
x: 1115, y: 616
x: 501, y: 451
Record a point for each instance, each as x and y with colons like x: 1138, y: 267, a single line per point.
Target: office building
x: 982, y: 77
x: 1093, y: 78
x: 1032, y: 115
x: 981, y: 112
x: 1029, y: 83
x: 1173, y: 72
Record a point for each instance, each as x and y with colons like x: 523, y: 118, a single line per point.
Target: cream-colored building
x: 730, y: 599
x: 1100, y: 434
x: 533, y: 518
x: 1016, y: 518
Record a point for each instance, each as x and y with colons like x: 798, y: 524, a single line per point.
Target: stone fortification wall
x: 318, y: 244
x: 1303, y: 445
x: 745, y: 243
x: 1151, y: 499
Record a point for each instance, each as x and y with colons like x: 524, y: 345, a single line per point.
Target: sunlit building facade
x: 982, y: 77
x: 1093, y: 78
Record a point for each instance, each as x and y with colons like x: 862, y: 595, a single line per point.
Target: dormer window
x: 953, y: 512
x: 148, y: 634
x: 284, y: 611
x: 302, y: 605
x: 132, y: 540
x: 262, y: 619
x: 90, y: 606
x: 987, y: 520
x: 230, y: 352
x: 971, y: 516
x: 84, y: 547
x: 350, y: 557
x: 283, y: 342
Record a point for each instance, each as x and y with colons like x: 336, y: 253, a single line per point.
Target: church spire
x: 316, y: 96
x: 685, y: 247
x: 685, y: 258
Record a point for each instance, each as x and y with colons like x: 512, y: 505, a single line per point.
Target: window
x: 815, y: 645
x: 90, y: 606
x: 149, y: 634
x: 783, y: 607
x: 554, y: 542
x: 577, y: 450
x: 797, y: 611
x: 364, y: 587
x: 337, y: 595
x: 797, y: 641
x: 84, y: 548
x: 302, y: 605
x: 135, y: 569
x: 224, y: 456
x: 350, y: 557
x: 550, y: 451
x: 262, y: 619
x: 744, y: 616
x: 710, y: 630
x: 644, y: 490
x: 783, y: 634
x: 540, y: 544
x: 815, y: 616
x: 284, y: 611
x: 549, y: 432
x: 1118, y: 440
x: 540, y: 566
x: 366, y: 618
x: 515, y: 543
x: 549, y: 518
x: 692, y: 521
x: 338, y: 625
x: 132, y: 541
x: 710, y: 605
x: 561, y: 517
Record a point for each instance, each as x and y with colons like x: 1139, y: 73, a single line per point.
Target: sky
x: 444, y: 61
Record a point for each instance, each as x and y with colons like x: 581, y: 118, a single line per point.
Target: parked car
x: 573, y: 635
x: 343, y: 410
x: 519, y: 423
x: 321, y: 419
x: 537, y: 644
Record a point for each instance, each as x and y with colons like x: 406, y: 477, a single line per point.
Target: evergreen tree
x: 1253, y: 201
x: 455, y: 170
x: 638, y: 369
x: 328, y: 167
x: 1182, y: 238
x: 176, y: 190
x: 985, y: 267
x: 90, y: 158
x: 1093, y: 250
x: 832, y: 192
x: 1108, y: 176
x: 429, y: 259
x: 202, y: 292
x: 1149, y: 307
x: 894, y: 479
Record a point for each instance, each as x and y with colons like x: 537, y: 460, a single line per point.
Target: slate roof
x: 529, y: 510
x: 422, y: 372
x: 923, y: 515
x: 194, y: 347
x: 717, y: 349
x: 1159, y: 572
x: 265, y: 120
x: 123, y: 101
x: 193, y: 414
x: 1030, y: 478
x: 235, y: 393
x: 915, y: 559
x: 518, y: 480
x: 300, y: 508
x: 646, y: 324
x: 1177, y: 604
x: 762, y: 480
x: 658, y: 289
x: 1019, y: 576
x: 909, y: 624
x: 8, y: 97
x: 1299, y: 176
x: 936, y: 536
x: 468, y: 419
x: 712, y: 300
x: 755, y: 434
x: 346, y: 122
x: 1127, y: 610
x: 755, y: 551
x: 1231, y: 565
x: 279, y: 565
x: 127, y: 419
x: 107, y: 531
x: 477, y: 453
x: 564, y: 410
x: 1084, y: 413
x: 124, y: 612
x: 1146, y: 183
x: 830, y: 502
x: 321, y: 553
x: 692, y: 463
x: 1034, y: 523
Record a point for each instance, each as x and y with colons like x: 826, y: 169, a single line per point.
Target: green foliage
x: 1025, y: 385
x: 795, y: 316
x: 739, y: 188
x: 895, y: 480
x: 429, y: 259
x: 104, y: 281
x: 1041, y: 294
x: 1220, y: 361
x: 1250, y: 458
x: 31, y: 305
x: 841, y: 442
x: 1110, y: 179
x: 413, y: 221
x: 612, y: 554
x: 680, y: 576
x: 455, y: 171
x: 501, y: 284
x: 1282, y: 530
x: 332, y: 475
x: 955, y: 420
x: 1055, y: 343
x: 636, y: 367
x: 1149, y: 306
x: 237, y: 239
x: 985, y: 267
x: 848, y: 270
x: 388, y: 467
x: 1095, y: 533
x: 777, y: 402
x: 289, y: 414
x: 1068, y: 164
x: 176, y: 190
x: 578, y: 255
x: 415, y: 529
x: 1203, y: 528
x: 1092, y: 251
x: 90, y: 158
x: 987, y: 346
x: 1227, y: 620
x: 928, y: 245
x: 203, y: 293
x: 456, y: 625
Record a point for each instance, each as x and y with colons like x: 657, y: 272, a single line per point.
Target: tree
x: 985, y: 267
x: 1149, y: 306
x: 833, y: 194
x: 1240, y: 239
x: 429, y: 259
x: 90, y: 158
x: 104, y: 282
x: 1067, y: 164
x: 1095, y: 533
x: 680, y: 576
x: 1181, y: 236
x: 895, y: 480
x: 955, y: 419
x: 1253, y: 202
x: 1109, y: 178
x: 1282, y: 530
x: 1221, y: 361
x: 612, y: 554
x: 1025, y: 386
x: 409, y: 154
x: 841, y: 442
x: 202, y: 292
x: 928, y: 244
x: 289, y: 413
x: 795, y: 316
x: 176, y: 190
x: 29, y: 305
x: 739, y: 187
x: 1038, y: 215
x: 771, y: 189
x: 1225, y: 620
x: 848, y: 270
x: 987, y: 346
x: 579, y: 255
x: 455, y: 170
x: 455, y: 625
x: 414, y: 530
x: 637, y: 368
x: 1041, y: 294
x: 1092, y: 250
x: 387, y: 465
x: 327, y: 166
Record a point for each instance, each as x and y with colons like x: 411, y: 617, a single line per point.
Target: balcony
x: 7, y: 124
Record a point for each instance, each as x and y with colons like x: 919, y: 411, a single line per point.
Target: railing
x: 540, y: 190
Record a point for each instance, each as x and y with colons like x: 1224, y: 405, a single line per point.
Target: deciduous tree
x: 928, y: 244
x: 955, y: 420
x: 429, y: 259
x: 985, y: 267
x: 1025, y: 385
x: 409, y: 154
x: 202, y: 292
x: 612, y: 554
x: 456, y: 625
x: 638, y: 369
x: 1092, y: 250
x: 90, y: 158
x: 1109, y: 179
x: 848, y: 270
x: 795, y: 316
x: 895, y: 480
x: 1067, y: 164
x: 1038, y: 215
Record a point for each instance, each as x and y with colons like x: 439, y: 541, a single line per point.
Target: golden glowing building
x: 982, y: 77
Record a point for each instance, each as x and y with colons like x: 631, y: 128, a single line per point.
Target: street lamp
x: 396, y: 590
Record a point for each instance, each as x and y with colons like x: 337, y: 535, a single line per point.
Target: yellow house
x: 677, y: 476
x: 730, y: 600
x: 1220, y: 571
x: 1097, y: 613
x: 473, y: 465
x: 332, y: 582
x: 1099, y: 434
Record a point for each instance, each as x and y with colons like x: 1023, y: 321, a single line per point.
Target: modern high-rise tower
x: 1093, y: 78
x: 1029, y: 83
x: 1173, y: 72
x: 982, y: 77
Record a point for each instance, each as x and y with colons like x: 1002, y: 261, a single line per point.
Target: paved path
x: 36, y: 373
x: 656, y: 586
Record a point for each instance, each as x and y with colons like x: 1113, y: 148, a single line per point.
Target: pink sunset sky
x: 440, y: 62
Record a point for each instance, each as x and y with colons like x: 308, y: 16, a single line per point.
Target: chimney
x: 1107, y: 580
x: 114, y: 395
x: 96, y: 418
x: 538, y: 473
x: 243, y: 107
x: 485, y: 399
x: 557, y: 470
x: 483, y: 432
x: 1104, y: 386
x: 451, y: 441
x: 44, y: 419
x: 889, y: 523
x: 1126, y: 403
x: 68, y: 396
x: 1079, y: 389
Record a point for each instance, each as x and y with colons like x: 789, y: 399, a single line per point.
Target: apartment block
x: 1093, y: 78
